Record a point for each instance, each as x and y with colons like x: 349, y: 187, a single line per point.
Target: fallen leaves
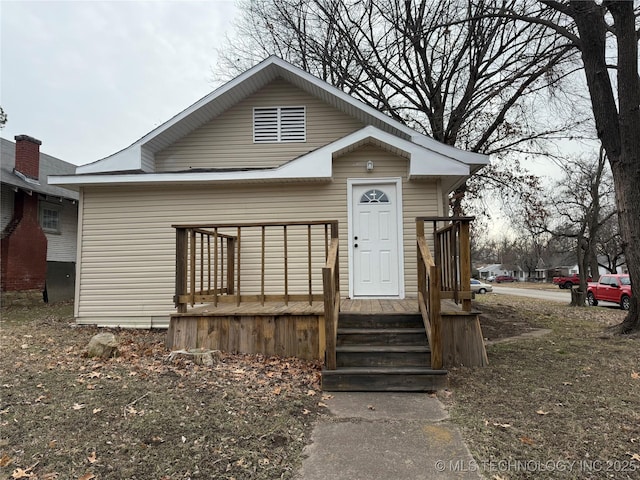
x: 502, y: 425
x: 542, y: 412
x: 26, y: 473
x: 635, y: 375
x: 527, y: 441
x: 60, y: 391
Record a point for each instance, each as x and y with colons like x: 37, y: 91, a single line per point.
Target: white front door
x: 374, y: 240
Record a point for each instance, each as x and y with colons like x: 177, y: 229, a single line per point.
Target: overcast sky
x: 89, y: 78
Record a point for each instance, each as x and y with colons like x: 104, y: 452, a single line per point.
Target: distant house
x: 495, y: 269
x: 38, y: 222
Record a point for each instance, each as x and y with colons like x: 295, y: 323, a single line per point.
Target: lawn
x: 139, y: 416
x: 571, y: 394
x: 562, y: 405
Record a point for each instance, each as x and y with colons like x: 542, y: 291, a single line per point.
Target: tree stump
x: 199, y: 356
x: 578, y: 298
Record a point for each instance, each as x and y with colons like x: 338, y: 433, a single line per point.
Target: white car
x: 478, y: 287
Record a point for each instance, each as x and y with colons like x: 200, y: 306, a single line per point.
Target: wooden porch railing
x: 211, y: 261
x: 331, y: 284
x: 445, y: 275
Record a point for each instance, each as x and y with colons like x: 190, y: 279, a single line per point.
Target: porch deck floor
x: 369, y: 305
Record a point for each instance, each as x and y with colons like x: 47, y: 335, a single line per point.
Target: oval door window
x: 374, y: 196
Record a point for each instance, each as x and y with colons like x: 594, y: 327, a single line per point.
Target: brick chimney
x: 28, y: 156
x: 23, y: 244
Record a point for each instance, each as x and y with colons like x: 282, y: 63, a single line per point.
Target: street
x: 559, y: 295
x: 555, y: 296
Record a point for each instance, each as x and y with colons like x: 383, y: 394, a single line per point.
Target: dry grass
x: 66, y: 416
x: 572, y: 395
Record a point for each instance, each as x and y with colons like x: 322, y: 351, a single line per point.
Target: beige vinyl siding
x: 128, y: 252
x: 227, y: 141
x: 61, y: 247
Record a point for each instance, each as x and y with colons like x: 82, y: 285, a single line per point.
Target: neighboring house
x: 274, y: 144
x: 492, y: 270
x: 38, y: 222
x: 496, y: 269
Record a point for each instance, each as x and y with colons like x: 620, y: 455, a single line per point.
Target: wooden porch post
x: 231, y: 253
x: 435, y: 317
x: 422, y: 270
x: 181, y: 269
x: 465, y: 262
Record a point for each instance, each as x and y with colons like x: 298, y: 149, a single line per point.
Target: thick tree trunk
x: 627, y: 182
x: 626, y: 168
x: 619, y: 131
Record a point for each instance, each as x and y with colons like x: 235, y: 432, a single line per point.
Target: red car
x: 610, y: 288
x: 505, y: 278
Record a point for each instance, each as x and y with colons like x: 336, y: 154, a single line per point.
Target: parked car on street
x: 569, y: 281
x: 610, y: 288
x: 491, y: 278
x: 505, y: 279
x: 478, y: 287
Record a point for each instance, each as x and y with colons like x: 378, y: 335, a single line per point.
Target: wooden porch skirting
x: 298, y: 329
x: 294, y: 330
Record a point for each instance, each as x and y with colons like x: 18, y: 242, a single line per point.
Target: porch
x: 285, y: 300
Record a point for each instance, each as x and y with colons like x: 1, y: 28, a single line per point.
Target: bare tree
x: 609, y: 247
x: 606, y: 34
x: 438, y: 66
x: 580, y: 206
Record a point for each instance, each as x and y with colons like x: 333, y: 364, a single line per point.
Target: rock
x: 103, y: 345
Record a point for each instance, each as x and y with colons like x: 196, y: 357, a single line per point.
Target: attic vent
x: 279, y: 124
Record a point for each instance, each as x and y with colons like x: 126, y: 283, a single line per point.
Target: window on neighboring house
x: 279, y: 124
x: 50, y: 217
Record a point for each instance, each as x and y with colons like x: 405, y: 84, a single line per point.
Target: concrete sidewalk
x: 386, y: 436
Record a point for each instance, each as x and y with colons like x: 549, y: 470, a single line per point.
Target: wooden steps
x: 382, y: 352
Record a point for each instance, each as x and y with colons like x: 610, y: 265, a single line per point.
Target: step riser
x: 377, y: 359
x: 382, y: 383
x: 353, y: 320
x: 382, y: 339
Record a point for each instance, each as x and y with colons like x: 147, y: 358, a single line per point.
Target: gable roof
x: 48, y: 166
x: 138, y: 157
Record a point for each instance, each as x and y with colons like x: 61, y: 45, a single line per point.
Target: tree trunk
x: 626, y: 168
x: 578, y: 297
x: 619, y: 131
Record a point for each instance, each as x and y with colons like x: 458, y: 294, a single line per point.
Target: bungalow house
x: 38, y: 223
x: 277, y: 150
